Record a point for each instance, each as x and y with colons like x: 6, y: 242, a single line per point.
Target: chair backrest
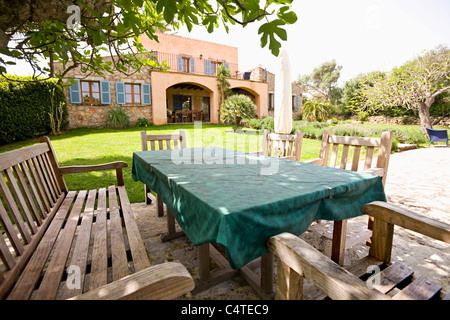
x: 163, y: 141
x: 282, y: 145
x: 341, y: 147
x: 31, y: 191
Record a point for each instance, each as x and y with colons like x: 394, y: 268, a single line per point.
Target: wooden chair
x: 161, y: 142
x: 197, y: 115
x: 297, y: 260
x: 62, y: 244
x: 282, y: 145
x: 340, y: 147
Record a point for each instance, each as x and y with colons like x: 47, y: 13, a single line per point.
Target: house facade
x: 185, y: 92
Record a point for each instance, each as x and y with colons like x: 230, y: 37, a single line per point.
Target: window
x: 90, y: 92
x: 132, y: 93
x: 186, y: 64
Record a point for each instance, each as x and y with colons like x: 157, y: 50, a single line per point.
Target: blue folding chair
x: 437, y: 135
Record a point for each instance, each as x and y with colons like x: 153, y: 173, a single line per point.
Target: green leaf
x: 289, y: 17
x: 269, y: 30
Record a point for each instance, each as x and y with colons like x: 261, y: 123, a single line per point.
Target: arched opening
x: 188, y: 102
x: 244, y: 91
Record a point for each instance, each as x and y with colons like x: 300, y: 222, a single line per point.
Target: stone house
x: 188, y: 89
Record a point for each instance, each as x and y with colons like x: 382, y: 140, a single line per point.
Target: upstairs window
x: 186, y: 64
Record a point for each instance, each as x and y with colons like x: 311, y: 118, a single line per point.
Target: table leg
x: 171, y: 228
x: 203, y: 258
x: 267, y: 273
x: 159, y: 205
x: 338, y: 242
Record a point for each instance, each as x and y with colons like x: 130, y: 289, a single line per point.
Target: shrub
x: 25, y: 106
x: 317, y: 110
x: 117, y: 118
x: 363, y: 116
x: 255, y: 123
x: 267, y: 123
x: 236, y: 108
x: 143, y: 122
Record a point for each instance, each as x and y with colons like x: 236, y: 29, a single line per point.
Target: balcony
x: 201, y: 66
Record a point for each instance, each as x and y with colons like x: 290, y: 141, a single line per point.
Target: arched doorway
x: 188, y: 102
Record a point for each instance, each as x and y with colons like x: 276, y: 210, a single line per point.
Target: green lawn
x: 95, y: 146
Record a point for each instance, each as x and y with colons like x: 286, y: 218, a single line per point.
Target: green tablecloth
x: 240, y: 200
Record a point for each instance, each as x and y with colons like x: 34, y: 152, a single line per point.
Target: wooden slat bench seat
x: 61, y: 244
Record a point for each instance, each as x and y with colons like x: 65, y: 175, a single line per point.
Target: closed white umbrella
x: 283, y: 94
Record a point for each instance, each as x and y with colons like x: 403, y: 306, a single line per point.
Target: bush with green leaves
x: 117, y: 118
x: 236, y: 108
x: 255, y: 123
x: 25, y: 106
x: 317, y: 110
x: 267, y: 123
x: 143, y: 122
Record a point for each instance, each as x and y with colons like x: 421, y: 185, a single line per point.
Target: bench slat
x: 80, y: 251
x: 21, y: 200
x: 44, y: 186
x: 99, y: 250
x: 12, y: 235
x: 54, y: 271
x: 27, y: 195
x: 14, y: 210
x: 138, y: 251
x: 118, y: 252
x: 30, y: 275
x: 34, y: 181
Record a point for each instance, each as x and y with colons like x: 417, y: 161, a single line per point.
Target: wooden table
x: 240, y: 200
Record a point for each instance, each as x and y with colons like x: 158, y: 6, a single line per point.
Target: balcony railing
x: 189, y: 64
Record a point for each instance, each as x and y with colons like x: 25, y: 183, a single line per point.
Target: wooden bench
x: 297, y: 260
x: 60, y: 244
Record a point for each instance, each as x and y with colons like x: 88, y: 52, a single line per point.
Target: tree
x: 222, y: 84
x: 415, y: 85
x: 236, y: 108
x: 322, y: 80
x: 76, y: 33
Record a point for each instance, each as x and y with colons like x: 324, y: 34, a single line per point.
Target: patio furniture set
x: 59, y: 244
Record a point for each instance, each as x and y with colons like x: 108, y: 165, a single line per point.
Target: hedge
x: 25, y: 107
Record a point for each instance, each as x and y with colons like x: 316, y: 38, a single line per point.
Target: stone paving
x: 418, y: 180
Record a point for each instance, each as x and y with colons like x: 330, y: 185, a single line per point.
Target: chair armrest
x: 320, y: 270
x: 118, y: 165
x: 318, y: 161
x: 409, y: 220
x: 288, y: 158
x: 164, y: 281
x: 97, y: 167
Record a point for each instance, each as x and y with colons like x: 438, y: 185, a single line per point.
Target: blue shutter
x: 226, y: 65
x: 192, y: 63
x: 180, y: 63
x: 146, y: 94
x: 75, y: 92
x: 208, y: 68
x: 296, y: 102
x: 105, y: 94
x: 120, y: 93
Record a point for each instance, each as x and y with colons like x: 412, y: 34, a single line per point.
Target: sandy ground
x: 418, y: 180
